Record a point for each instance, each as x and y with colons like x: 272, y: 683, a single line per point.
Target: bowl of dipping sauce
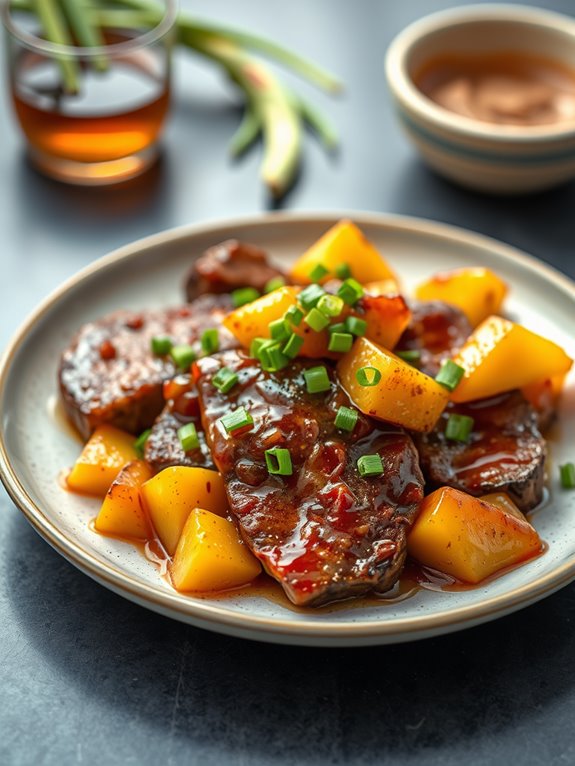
x: 487, y: 95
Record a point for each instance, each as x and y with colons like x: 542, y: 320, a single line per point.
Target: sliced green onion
x: 278, y: 461
x: 161, y: 346
x: 350, y: 291
x: 293, y: 346
x: 567, y: 473
x: 183, y: 356
x: 318, y: 272
x: 459, y: 428
x: 346, y: 418
x: 370, y: 465
x: 316, y: 380
x: 188, y: 437
x: 339, y: 327
x: 310, y: 295
x: 274, y: 284
x: 316, y: 320
x: 410, y: 355
x: 237, y: 419
x: 140, y: 442
x: 449, y: 375
x: 271, y: 357
x: 368, y: 376
x: 294, y: 315
x: 340, y: 342
x: 343, y: 271
x: 279, y: 329
x: 225, y: 379
x: 256, y: 345
x: 330, y: 305
x: 244, y: 295
x: 356, y: 326
x: 210, y: 341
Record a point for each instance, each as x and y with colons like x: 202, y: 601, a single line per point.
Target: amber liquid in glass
x: 117, y: 113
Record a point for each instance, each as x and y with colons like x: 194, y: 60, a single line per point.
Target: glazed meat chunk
x: 324, y: 532
x: 436, y: 330
x: 505, y: 453
x: 109, y: 374
x: 228, y: 266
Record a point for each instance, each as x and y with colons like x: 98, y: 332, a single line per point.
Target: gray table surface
x: 85, y: 676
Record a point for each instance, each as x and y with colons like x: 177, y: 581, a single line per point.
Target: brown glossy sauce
x: 502, y: 88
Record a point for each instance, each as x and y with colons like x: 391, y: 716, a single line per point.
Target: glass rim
x: 34, y: 43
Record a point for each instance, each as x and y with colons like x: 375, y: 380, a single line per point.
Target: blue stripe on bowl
x: 485, y: 156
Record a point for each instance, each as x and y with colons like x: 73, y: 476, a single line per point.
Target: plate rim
x: 215, y: 616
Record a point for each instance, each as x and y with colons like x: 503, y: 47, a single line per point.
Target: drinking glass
x: 92, y: 115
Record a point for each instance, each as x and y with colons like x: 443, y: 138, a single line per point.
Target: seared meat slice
x: 325, y: 533
x: 163, y: 447
x: 109, y: 375
x: 437, y: 330
x: 506, y: 452
x: 227, y: 266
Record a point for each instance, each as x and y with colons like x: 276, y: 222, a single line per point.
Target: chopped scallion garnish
x: 236, y: 420
x: 410, y: 355
x: 459, y: 428
x: 330, y: 305
x: 370, y: 465
x: 271, y: 357
x: 274, y: 284
x: 183, y: 356
x: 338, y: 327
x: 279, y: 329
x: 310, y: 295
x: 350, y: 291
x: 346, y: 418
x: 225, y: 379
x: 256, y: 345
x: 188, y: 437
x: 244, y: 295
x: 340, y: 342
x: 318, y: 272
x: 294, y: 315
x: 343, y: 271
x: 140, y: 442
x: 316, y: 380
x: 356, y: 326
x: 210, y: 341
x: 368, y: 376
x: 567, y: 473
x: 293, y: 346
x: 161, y: 346
x: 449, y: 375
x: 278, y: 461
x: 316, y: 320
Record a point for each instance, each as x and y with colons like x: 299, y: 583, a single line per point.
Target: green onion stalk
x: 272, y: 110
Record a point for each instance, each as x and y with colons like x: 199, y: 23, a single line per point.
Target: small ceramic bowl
x: 496, y: 158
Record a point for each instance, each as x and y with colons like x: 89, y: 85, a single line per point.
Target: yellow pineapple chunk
x: 211, y: 555
x: 174, y: 492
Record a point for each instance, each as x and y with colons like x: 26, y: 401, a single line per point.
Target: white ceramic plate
x: 149, y: 274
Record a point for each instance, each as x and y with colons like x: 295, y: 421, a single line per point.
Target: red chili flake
x: 135, y: 322
x: 107, y: 350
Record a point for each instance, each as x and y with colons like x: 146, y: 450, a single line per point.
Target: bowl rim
x: 408, y: 95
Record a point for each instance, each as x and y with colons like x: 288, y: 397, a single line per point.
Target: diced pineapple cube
x: 211, y: 555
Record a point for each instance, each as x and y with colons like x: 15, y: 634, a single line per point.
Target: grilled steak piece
x: 324, y: 532
x: 437, y: 330
x: 109, y: 375
x: 505, y: 453
x: 227, y: 266
x: 163, y: 447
